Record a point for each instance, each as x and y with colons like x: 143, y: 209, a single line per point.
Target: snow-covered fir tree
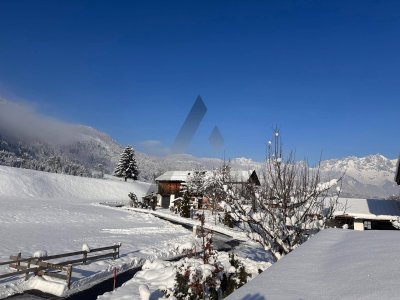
x: 127, y: 166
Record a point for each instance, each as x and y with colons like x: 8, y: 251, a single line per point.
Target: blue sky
x: 326, y: 72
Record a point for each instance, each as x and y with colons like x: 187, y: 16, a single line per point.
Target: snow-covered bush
x: 199, y: 277
x: 235, y: 277
x: 196, y: 280
x: 396, y: 223
x: 228, y: 220
x: 204, y: 276
x: 133, y: 202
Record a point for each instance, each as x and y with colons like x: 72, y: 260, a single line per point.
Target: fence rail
x: 41, y: 266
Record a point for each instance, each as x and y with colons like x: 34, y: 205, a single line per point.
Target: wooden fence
x: 41, y: 266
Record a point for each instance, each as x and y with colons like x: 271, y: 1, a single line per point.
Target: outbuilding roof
x: 373, y: 209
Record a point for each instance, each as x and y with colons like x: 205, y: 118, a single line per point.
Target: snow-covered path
x: 58, y: 213
x: 209, y: 222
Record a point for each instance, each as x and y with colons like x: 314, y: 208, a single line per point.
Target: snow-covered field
x: 59, y: 213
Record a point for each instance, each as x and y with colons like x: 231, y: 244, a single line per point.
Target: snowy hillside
x: 21, y: 183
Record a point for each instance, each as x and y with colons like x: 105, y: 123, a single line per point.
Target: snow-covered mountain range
x: 53, y: 146
x: 371, y: 176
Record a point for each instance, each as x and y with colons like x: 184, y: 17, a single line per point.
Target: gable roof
x: 238, y: 176
x: 180, y: 176
x: 334, y: 264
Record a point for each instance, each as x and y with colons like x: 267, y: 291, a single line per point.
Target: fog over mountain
x: 29, y: 140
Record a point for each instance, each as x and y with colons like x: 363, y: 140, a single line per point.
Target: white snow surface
x: 60, y: 213
x: 47, y: 285
x: 334, y: 264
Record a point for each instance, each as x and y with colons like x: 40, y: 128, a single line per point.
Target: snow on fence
x: 40, y: 265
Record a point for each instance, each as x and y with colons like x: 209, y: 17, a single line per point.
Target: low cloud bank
x: 22, y: 122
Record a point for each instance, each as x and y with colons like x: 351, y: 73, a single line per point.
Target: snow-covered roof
x: 236, y: 175
x: 174, y: 176
x: 334, y: 264
x: 372, y: 209
x: 240, y: 176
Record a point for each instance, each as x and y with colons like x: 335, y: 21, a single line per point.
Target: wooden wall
x: 168, y: 187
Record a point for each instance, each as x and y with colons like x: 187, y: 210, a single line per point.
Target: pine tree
x: 127, y: 166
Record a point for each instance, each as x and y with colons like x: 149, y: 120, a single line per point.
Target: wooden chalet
x: 170, y: 184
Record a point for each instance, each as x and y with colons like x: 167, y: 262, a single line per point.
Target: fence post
x: 27, y: 272
x: 84, y: 257
x: 18, y: 263
x: 69, y: 275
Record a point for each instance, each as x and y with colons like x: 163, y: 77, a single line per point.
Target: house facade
x: 169, y: 185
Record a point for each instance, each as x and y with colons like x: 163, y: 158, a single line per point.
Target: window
x: 367, y: 225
